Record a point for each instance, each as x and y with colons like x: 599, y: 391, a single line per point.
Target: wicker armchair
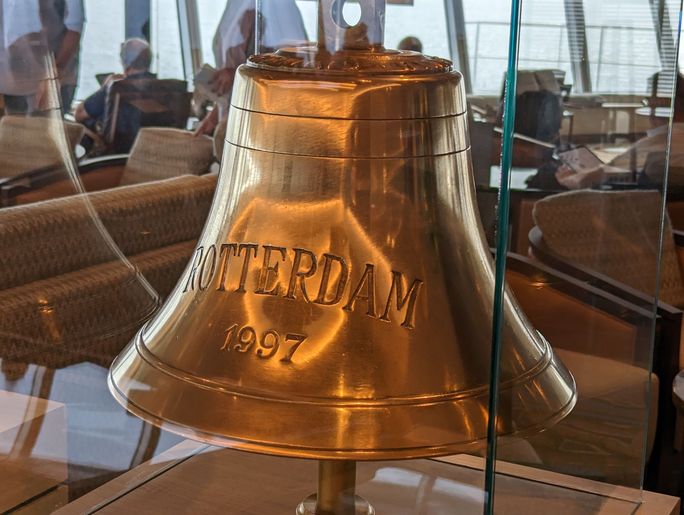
x: 70, y: 303
x: 162, y: 153
x: 65, y: 293
x: 29, y: 144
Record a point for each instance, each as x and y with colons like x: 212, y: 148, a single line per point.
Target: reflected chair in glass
x: 610, y: 239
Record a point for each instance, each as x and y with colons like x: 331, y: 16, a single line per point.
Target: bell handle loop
x: 335, y: 33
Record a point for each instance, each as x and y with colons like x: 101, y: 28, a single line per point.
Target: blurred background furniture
x: 28, y: 144
x: 158, y: 153
x: 136, y: 103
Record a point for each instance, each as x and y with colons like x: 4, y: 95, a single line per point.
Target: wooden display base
x: 196, y: 478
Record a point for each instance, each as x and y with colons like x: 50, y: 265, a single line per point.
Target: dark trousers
x: 18, y: 104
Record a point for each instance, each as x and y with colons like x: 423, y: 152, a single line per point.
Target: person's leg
x: 67, y: 94
x: 16, y: 104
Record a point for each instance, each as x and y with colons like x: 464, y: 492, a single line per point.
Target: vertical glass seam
x: 501, y: 251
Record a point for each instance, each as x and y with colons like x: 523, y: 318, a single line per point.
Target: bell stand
x: 337, y: 478
x: 336, y: 492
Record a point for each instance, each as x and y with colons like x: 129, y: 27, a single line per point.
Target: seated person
x: 136, y: 58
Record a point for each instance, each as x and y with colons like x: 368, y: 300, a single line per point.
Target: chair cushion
x: 87, y: 314
x: 162, y: 153
x: 163, y: 267
x: 57, y: 236
x: 153, y: 215
x: 30, y: 143
x: 616, y: 233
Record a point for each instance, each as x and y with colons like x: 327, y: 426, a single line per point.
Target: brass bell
x: 339, y: 303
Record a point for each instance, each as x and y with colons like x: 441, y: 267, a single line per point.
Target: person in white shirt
x: 21, y: 49
x: 35, y: 29
x: 235, y: 41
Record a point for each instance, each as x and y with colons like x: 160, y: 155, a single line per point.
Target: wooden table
x: 197, y: 478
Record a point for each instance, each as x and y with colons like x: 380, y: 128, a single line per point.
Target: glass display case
x: 341, y: 257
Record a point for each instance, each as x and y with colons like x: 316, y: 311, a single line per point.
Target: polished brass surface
x: 339, y: 302
x: 360, y: 506
x: 390, y: 85
x: 336, y: 486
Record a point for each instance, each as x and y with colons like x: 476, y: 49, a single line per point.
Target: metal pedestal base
x: 336, y: 492
x: 358, y: 507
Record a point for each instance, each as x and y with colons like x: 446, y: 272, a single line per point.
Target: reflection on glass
x: 589, y: 174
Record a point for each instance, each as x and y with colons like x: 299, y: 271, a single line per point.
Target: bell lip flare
x: 352, y: 433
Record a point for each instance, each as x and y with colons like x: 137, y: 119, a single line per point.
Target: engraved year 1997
x: 265, y: 345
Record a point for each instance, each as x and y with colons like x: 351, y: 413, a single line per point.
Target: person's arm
x: 80, y: 114
x: 208, y: 124
x: 73, y: 21
x: 68, y: 49
x: 573, y: 180
x: 222, y: 81
x: 92, y: 107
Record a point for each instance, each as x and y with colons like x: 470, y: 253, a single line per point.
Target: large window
x: 102, y: 36
x: 424, y: 19
x: 210, y: 12
x: 543, y: 40
x: 166, y: 44
x: 621, y: 39
x: 623, y: 51
x: 621, y: 42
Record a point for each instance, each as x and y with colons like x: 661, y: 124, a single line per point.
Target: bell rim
x: 420, y: 446
x: 243, y: 445
x: 545, y: 361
